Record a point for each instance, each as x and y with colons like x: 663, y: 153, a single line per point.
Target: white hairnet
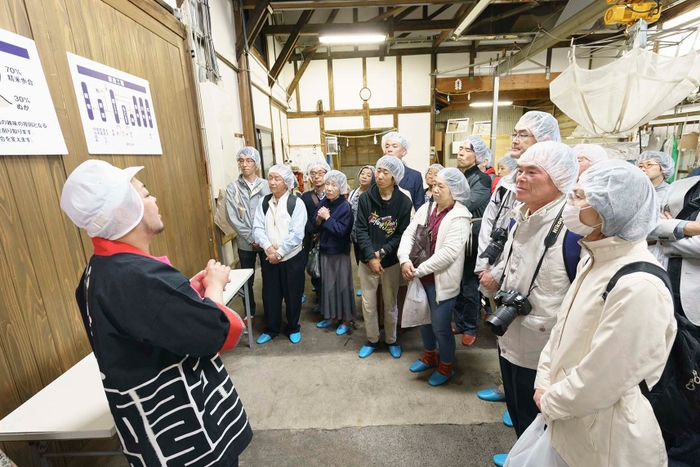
x: 593, y: 152
x: 457, y: 183
x: 284, y: 172
x: 322, y: 164
x: 624, y: 197
x: 543, y: 126
x: 439, y: 167
x: 339, y: 178
x: 665, y: 161
x: 479, y: 147
x: 393, y: 165
x: 251, y: 152
x: 557, y: 159
x: 396, y: 137
x: 100, y: 198
x: 509, y: 162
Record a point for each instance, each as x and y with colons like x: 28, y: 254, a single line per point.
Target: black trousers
x: 283, y: 281
x: 248, y: 262
x: 519, y: 386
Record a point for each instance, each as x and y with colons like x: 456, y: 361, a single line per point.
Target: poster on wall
x: 116, y: 109
x: 28, y: 122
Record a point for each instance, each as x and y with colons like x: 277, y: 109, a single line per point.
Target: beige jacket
x: 448, y: 261
x: 527, y: 335
x: 598, y: 354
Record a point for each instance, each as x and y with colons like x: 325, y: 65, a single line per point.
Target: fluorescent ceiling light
x: 490, y: 104
x: 352, y: 39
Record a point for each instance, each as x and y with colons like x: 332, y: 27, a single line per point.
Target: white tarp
x: 627, y: 93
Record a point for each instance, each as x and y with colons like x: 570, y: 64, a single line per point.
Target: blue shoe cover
x: 295, y: 337
x: 395, y: 350
x: 491, y: 395
x: 500, y: 459
x: 263, y: 339
x: 418, y: 366
x: 342, y: 329
x: 366, y: 351
x: 325, y: 324
x: 507, y: 421
x: 437, y: 379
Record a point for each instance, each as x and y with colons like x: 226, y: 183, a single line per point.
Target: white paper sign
x: 116, y: 109
x: 28, y: 122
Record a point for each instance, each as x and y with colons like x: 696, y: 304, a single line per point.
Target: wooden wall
x: 42, y: 254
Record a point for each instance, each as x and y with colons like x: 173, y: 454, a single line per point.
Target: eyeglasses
x: 521, y: 136
x: 246, y: 161
x: 315, y: 173
x: 648, y: 165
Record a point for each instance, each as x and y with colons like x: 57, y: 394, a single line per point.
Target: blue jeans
x: 468, y: 304
x: 439, y: 332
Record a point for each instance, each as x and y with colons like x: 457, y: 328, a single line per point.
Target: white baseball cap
x: 100, y: 198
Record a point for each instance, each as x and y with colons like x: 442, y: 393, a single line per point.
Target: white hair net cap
x: 543, y: 126
x: 479, y: 147
x: 509, y: 162
x: 284, y: 172
x: 250, y: 151
x: 100, y: 198
x: 394, y: 166
x: 396, y: 137
x: 339, y: 178
x: 557, y: 159
x: 457, y: 184
x: 439, y: 167
x: 322, y: 164
x: 624, y: 197
x: 668, y: 167
x: 593, y: 152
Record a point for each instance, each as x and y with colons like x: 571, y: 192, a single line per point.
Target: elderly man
x: 242, y: 199
x: 316, y: 171
x: 588, y: 155
x: 383, y: 214
x: 533, y: 127
x: 659, y: 167
x: 472, y: 153
x: 678, y: 248
x: 395, y: 144
x: 151, y: 328
x: 534, y: 273
x: 279, y: 229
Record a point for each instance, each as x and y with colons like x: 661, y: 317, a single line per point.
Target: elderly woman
x: 440, y: 275
x: 589, y: 155
x: 333, y: 221
x: 279, y: 230
x: 430, y: 180
x: 601, y: 349
x: 659, y: 167
x: 383, y: 214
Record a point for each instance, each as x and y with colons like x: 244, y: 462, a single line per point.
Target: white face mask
x: 572, y: 220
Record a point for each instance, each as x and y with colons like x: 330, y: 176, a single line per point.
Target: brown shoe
x: 456, y: 331
x: 468, y: 340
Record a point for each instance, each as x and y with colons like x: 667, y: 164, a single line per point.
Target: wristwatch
x: 278, y: 256
x: 382, y: 253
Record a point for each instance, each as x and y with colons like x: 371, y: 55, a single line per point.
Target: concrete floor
x: 317, y: 404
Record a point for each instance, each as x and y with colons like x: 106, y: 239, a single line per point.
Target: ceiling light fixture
x: 490, y: 104
x: 352, y: 39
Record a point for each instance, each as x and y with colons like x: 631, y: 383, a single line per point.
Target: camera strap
x: 549, y: 241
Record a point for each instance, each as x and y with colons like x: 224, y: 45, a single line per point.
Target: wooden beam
x: 291, y: 5
x: 245, y: 92
x: 399, y: 81
x: 461, y: 14
x: 515, y: 95
x: 403, y: 52
x: 405, y: 13
x: 507, y: 14
x: 310, y: 52
x: 485, y: 83
x: 332, y: 15
x: 588, y: 14
x: 331, y: 89
x: 253, y: 26
x: 400, y: 26
x: 387, y: 14
x: 431, y: 16
x: 359, y: 112
x: 289, y: 46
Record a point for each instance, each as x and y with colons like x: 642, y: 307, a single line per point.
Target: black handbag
x: 313, y: 264
x: 420, y: 251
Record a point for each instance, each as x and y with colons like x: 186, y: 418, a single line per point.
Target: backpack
x: 676, y: 397
x: 291, y: 203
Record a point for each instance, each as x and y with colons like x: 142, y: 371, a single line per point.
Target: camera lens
x: 501, y: 319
